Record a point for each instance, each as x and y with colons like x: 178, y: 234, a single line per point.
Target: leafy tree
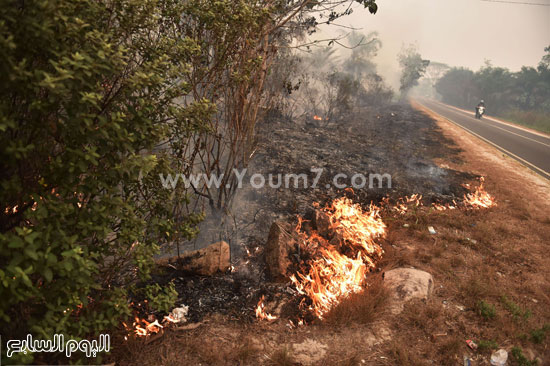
x: 458, y: 87
x: 522, y: 96
x: 412, y: 68
x: 495, y: 86
x: 321, y: 57
x: 434, y: 72
x: 363, y: 49
x: 89, y: 91
x: 527, y: 89
x: 545, y: 62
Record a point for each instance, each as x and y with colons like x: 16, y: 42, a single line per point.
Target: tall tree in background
x: 363, y: 49
x: 458, y: 87
x: 412, y: 68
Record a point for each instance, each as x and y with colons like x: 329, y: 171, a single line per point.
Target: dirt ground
x: 490, y: 267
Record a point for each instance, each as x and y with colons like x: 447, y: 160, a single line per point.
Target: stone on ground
x: 406, y: 284
x: 280, y: 245
x: 206, y: 261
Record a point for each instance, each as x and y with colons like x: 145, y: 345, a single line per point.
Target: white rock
x: 406, y: 284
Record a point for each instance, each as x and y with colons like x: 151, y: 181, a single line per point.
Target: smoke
x: 454, y: 32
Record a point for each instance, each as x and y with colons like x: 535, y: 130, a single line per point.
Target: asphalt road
x: 530, y: 149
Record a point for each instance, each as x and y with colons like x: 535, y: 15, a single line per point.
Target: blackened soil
x: 396, y: 140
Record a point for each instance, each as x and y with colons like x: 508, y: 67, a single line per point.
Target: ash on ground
x: 394, y: 139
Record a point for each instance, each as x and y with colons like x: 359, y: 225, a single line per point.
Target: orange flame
x: 143, y: 328
x: 260, y: 311
x: 338, y: 269
x: 402, y: 205
x: 479, y: 198
x: 317, y: 118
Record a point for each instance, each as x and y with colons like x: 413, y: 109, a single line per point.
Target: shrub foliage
x: 97, y: 98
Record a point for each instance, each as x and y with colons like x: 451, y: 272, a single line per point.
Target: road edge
x: 522, y: 162
x: 501, y: 121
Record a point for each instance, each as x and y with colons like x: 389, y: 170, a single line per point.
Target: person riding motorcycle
x: 480, y: 109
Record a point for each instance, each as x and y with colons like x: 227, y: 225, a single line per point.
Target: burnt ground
x: 490, y: 267
x: 395, y: 140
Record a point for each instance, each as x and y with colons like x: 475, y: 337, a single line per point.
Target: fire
x: 402, y: 205
x: 260, y: 311
x: 479, y: 198
x: 144, y: 328
x: 338, y: 267
x: 317, y: 118
x: 440, y: 207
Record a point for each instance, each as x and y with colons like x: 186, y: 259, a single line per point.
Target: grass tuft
x: 486, y: 345
x: 519, y: 359
x: 361, y: 308
x: 281, y: 357
x: 486, y: 310
x: 517, y: 312
x: 539, y: 335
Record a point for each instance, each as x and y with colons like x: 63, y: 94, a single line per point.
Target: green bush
x: 519, y: 359
x: 97, y: 98
x: 484, y: 345
x: 537, y: 120
x: 517, y: 312
x: 539, y: 335
x: 486, y: 310
x: 88, y: 92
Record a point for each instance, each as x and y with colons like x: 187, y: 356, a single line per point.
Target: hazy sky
x: 458, y: 32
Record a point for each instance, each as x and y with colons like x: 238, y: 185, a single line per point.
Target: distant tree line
x: 503, y: 91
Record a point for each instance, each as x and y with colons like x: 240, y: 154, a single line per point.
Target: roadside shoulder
x: 486, y: 160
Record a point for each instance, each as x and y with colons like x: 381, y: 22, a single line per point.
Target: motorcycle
x: 480, y: 111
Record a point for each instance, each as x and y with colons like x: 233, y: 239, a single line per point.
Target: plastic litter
x: 178, y: 315
x: 471, y: 344
x: 499, y: 357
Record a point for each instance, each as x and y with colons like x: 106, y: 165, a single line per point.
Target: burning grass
x: 488, y: 242
x: 361, y: 308
x: 337, y: 267
x: 261, y: 313
x: 339, y: 263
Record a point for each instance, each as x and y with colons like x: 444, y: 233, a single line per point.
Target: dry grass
x: 349, y: 361
x: 451, y: 348
x: 479, y: 255
x: 421, y: 315
x: 281, y: 357
x: 361, y: 308
x: 402, y: 355
x: 247, y: 351
x: 190, y: 348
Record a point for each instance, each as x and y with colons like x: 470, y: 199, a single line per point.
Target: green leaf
x: 48, y: 274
